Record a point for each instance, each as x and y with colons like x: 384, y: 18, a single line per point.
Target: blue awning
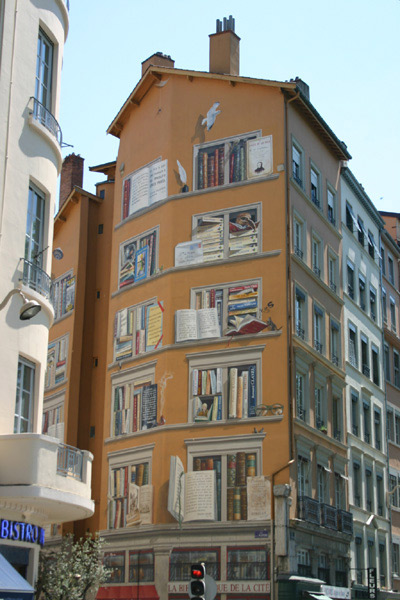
x: 12, y: 584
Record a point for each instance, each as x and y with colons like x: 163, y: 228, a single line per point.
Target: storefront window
x: 247, y: 564
x: 116, y: 562
x: 182, y: 559
x: 141, y: 566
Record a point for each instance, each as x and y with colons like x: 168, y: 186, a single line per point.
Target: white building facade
x: 365, y: 385
x: 41, y: 481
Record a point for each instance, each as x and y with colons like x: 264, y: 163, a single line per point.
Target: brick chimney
x: 224, y: 48
x: 71, y: 175
x: 158, y: 59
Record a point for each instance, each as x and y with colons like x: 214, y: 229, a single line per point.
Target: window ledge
x: 228, y: 186
x: 361, y: 311
x: 323, y: 436
x: 196, y: 343
x: 321, y: 282
x: 211, y: 263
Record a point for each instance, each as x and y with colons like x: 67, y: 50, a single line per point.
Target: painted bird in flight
x: 211, y: 116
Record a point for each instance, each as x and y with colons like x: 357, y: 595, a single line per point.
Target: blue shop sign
x: 21, y: 532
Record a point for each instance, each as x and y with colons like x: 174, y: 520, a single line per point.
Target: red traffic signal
x: 197, y: 584
x: 198, y: 571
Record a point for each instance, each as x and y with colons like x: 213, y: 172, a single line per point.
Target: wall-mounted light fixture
x: 29, y: 308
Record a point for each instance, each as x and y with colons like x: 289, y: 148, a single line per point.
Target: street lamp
x: 29, y: 308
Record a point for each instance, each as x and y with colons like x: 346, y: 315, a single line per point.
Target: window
x: 303, y: 563
x: 297, y: 164
x: 371, y: 245
x: 138, y: 329
x: 57, y: 355
x: 24, y: 396
x: 130, y: 494
x: 301, y: 411
x: 335, y: 342
x: 134, y: 401
x: 364, y: 356
x: 315, y: 187
x: 298, y: 236
x: 379, y: 493
x: 392, y: 314
x: 382, y: 563
x: 362, y: 292
x: 350, y: 280
x: 318, y: 329
x: 228, y: 233
x: 316, y: 256
x: 332, y: 271
x: 384, y: 305
x: 303, y: 470
x: 331, y: 202
x: 386, y: 361
x: 300, y: 313
x: 35, y: 226
x: 229, y: 160
x: 225, y: 385
x: 138, y: 258
x: 63, y: 295
x: 340, y: 491
x: 396, y: 368
x: 367, y: 421
x: 382, y: 261
x: 141, y: 566
x: 233, y: 301
x: 322, y: 484
x: 53, y: 417
x: 390, y: 424
x: 323, y: 568
x: 361, y: 230
x: 247, y: 564
x: 394, y: 498
x: 44, y: 70
x: 397, y: 428
x: 396, y: 559
x: 391, y: 269
x: 356, y: 484
x: 181, y: 560
x: 375, y: 364
x: 341, y: 570
x: 377, y: 427
x: 352, y: 333
x: 349, y: 217
x: 320, y: 408
x: 359, y: 552
x: 115, y: 561
x: 372, y: 302
x: 371, y: 552
x: 354, y: 413
x: 337, y: 417
x: 235, y: 460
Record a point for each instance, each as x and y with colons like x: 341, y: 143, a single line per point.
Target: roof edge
x: 362, y: 195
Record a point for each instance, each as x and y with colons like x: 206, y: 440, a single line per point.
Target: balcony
x: 329, y: 516
x: 309, y: 510
x: 35, y: 278
x: 299, y: 252
x: 318, y: 346
x: 300, y: 332
x: 246, y: 571
x: 317, y: 271
x: 43, y: 116
x: 345, y: 521
x: 50, y: 480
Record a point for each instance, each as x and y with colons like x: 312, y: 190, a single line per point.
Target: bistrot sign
x: 18, y: 531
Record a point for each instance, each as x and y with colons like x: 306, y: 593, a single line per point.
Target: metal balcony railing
x: 329, y: 516
x: 300, y: 332
x: 69, y: 461
x: 301, y: 413
x: 34, y: 277
x: 350, y: 291
x: 299, y: 252
x: 44, y: 116
x: 345, y: 521
x: 317, y: 271
x: 315, y: 200
x: 337, y: 434
x: 366, y: 370
x: 309, y: 510
x: 332, y: 285
x: 245, y: 571
x: 331, y: 218
x: 182, y: 571
x: 297, y: 179
x: 335, y: 360
x: 318, y: 346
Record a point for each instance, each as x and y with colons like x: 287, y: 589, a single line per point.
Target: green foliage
x: 72, y: 570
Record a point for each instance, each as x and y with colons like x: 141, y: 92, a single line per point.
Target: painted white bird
x: 211, y: 116
x: 182, y: 172
x: 162, y: 83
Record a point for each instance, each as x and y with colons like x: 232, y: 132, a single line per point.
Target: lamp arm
x: 8, y: 296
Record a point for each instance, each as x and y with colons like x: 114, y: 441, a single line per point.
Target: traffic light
x: 197, y: 583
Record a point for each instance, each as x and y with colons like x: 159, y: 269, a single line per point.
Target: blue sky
x: 346, y: 50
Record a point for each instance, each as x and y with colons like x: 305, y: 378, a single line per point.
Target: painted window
x: 138, y: 258
x: 24, y: 396
x: 57, y: 362
x: 63, y: 295
x: 138, y: 329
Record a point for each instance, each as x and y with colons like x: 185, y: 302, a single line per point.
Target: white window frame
x: 224, y: 360
x: 34, y: 248
x: 392, y: 305
x: 318, y: 328
x: 331, y: 205
x: 19, y: 419
x: 43, y: 84
x: 297, y: 177
x: 353, y: 360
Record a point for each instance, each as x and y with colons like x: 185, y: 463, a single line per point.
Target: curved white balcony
x: 43, y: 480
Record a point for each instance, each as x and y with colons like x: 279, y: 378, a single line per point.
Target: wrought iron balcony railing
x: 301, y: 413
x: 34, y: 277
x: 69, y: 461
x: 309, y: 510
x: 332, y: 285
x: 300, y: 332
x: 345, y: 521
x: 44, y: 116
x: 299, y: 252
x: 245, y: 571
x: 329, y: 516
x: 318, y: 346
x: 337, y: 434
x: 317, y: 271
x: 297, y: 179
x: 366, y: 370
x: 335, y: 360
